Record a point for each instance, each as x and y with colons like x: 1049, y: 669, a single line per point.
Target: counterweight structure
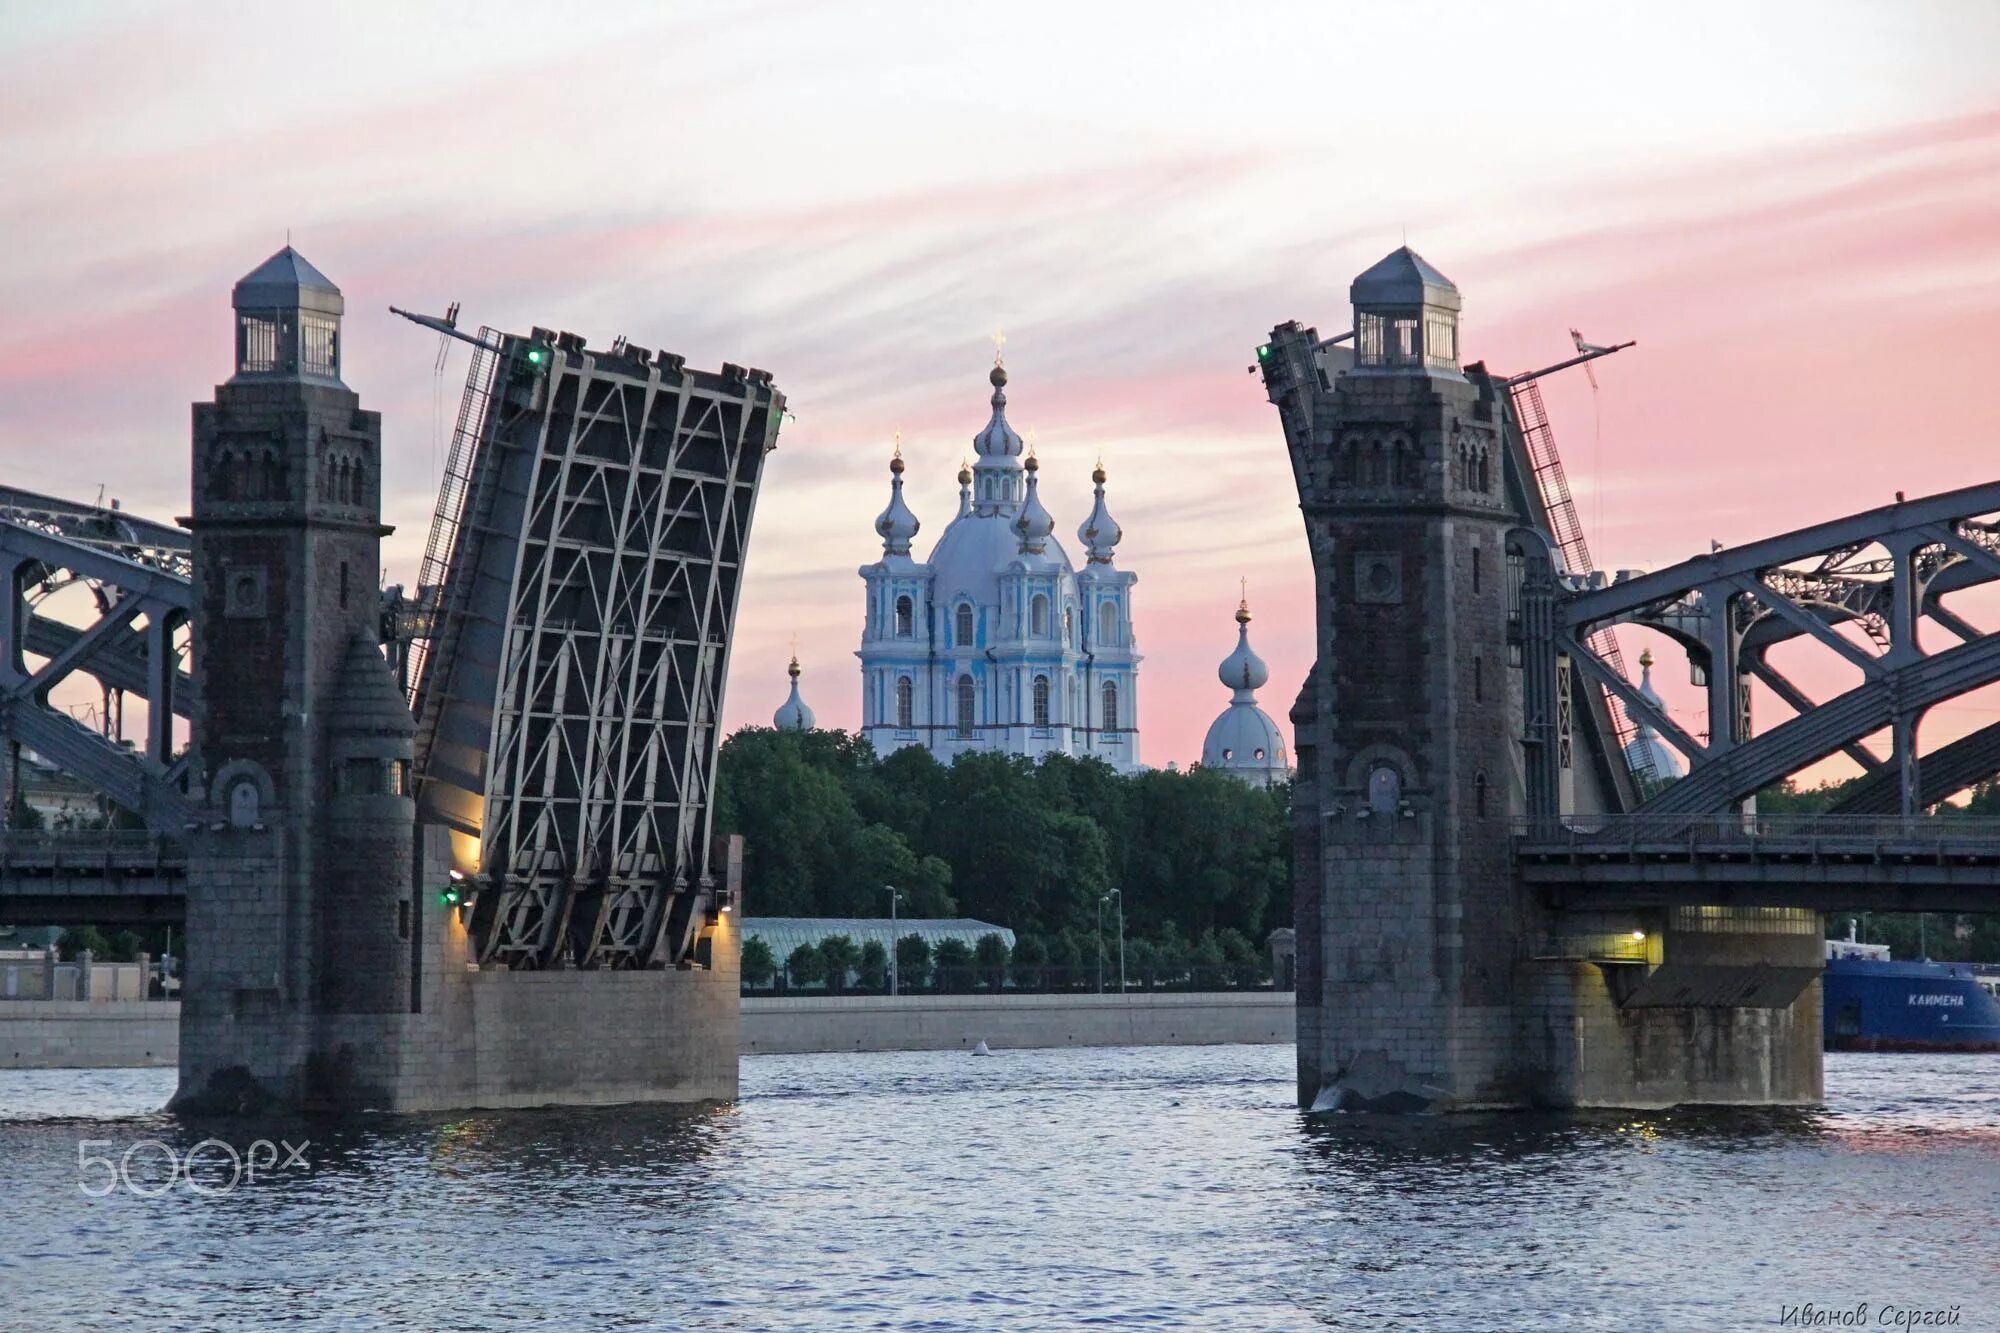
x: 583, y: 569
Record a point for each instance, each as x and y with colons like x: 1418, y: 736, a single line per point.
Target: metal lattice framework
x: 1858, y: 586
x: 585, y: 614
x: 138, y: 576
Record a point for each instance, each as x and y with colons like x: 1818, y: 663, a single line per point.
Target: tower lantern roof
x: 1404, y: 278
x: 287, y: 281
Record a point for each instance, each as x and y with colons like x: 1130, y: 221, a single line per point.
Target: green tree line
x: 1203, y: 861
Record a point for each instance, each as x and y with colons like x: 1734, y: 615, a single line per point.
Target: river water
x: 1136, y: 1188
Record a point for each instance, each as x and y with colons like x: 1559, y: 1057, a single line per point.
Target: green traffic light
x: 449, y: 897
x: 534, y: 356
x: 1264, y: 352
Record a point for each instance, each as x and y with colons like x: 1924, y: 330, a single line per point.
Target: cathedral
x: 996, y: 642
x: 1244, y: 742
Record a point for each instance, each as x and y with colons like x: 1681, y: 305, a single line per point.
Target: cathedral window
x: 1038, y: 616
x: 1107, y: 621
x: 967, y: 699
x: 905, y: 617
x: 1041, y: 701
x: 905, y: 703
x: 964, y: 628
x: 1111, y: 705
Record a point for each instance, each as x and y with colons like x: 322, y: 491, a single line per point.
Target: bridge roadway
x: 1829, y: 863
x: 96, y: 877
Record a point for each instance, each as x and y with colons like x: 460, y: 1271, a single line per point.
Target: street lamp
x: 1100, y: 942
x: 1119, y: 894
x: 895, y: 896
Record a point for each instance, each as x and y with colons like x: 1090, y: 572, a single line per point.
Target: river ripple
x: 1132, y: 1188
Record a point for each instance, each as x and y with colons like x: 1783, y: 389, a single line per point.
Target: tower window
x: 1475, y: 569
x: 1041, y: 701
x: 1107, y: 622
x: 905, y: 703
x: 905, y: 617
x: 1111, y: 705
x: 1408, y: 350
x: 1368, y: 331
x: 343, y: 583
x: 964, y: 628
x: 1479, y: 793
x: 319, y: 344
x: 1440, y: 340
x: 1038, y: 616
x: 258, y: 337
x: 967, y: 700
x: 1478, y: 679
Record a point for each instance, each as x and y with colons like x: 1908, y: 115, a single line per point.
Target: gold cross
x: 999, y: 347
x: 899, y: 444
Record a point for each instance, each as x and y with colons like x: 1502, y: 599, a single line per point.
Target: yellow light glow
x: 1638, y: 934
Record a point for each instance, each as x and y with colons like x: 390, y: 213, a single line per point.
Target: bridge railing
x: 1588, y: 833
x: 63, y: 851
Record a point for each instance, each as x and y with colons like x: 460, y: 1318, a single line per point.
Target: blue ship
x: 1871, y: 1003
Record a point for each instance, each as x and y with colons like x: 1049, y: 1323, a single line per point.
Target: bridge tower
x: 1428, y: 976
x: 301, y: 866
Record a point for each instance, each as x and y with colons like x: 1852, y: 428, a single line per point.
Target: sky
x: 1794, y: 208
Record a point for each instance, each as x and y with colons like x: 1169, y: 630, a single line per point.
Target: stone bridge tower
x: 300, y: 901
x: 1405, y: 732
x: 1428, y: 976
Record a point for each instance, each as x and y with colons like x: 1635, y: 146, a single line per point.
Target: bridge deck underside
x: 1918, y: 873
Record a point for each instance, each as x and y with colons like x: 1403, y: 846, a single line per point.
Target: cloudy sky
x: 1794, y: 208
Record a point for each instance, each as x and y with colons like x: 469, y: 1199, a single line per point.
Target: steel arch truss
x: 619, y: 613
x: 1859, y: 587
x: 138, y: 575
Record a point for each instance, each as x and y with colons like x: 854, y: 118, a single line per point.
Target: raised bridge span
x: 443, y: 848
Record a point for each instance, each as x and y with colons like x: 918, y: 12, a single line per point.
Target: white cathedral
x: 996, y: 642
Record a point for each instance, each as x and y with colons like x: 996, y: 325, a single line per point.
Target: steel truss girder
x: 617, y: 625
x: 1793, y: 744
x: 1942, y: 773
x: 1729, y: 607
x: 132, y: 580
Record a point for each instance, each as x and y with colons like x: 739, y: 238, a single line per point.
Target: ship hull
x: 1877, y: 1005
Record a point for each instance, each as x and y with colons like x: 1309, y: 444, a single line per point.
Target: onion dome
x: 998, y: 440
x: 793, y: 715
x: 1100, y: 532
x: 896, y: 524
x: 1034, y: 523
x: 1646, y: 753
x: 1243, y: 671
x: 964, y: 488
x: 1244, y: 742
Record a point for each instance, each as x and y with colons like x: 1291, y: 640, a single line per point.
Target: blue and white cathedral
x: 996, y: 642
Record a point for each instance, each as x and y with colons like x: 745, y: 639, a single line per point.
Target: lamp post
x: 1119, y: 894
x: 895, y: 895
x: 1100, y: 942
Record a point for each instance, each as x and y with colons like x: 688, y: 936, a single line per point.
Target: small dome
x: 1034, y: 523
x: 1245, y: 741
x: 793, y: 715
x: 1100, y: 532
x: 896, y: 525
x: 1243, y: 670
x: 1646, y: 752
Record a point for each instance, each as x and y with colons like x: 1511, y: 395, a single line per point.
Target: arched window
x: 963, y: 633
x: 1041, y: 701
x: 1385, y: 789
x: 1069, y: 626
x: 905, y: 703
x: 1111, y: 705
x: 1107, y: 622
x: 906, y: 617
x: 967, y: 699
x: 1038, y: 616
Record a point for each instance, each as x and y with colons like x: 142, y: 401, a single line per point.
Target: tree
x: 874, y: 967
x: 805, y: 966
x: 913, y: 961
x: 79, y: 938
x: 125, y: 946
x: 1240, y: 957
x: 990, y: 954
x: 1030, y: 957
x: 1142, y: 960
x: 759, y: 965
x: 837, y: 956
x: 954, y: 962
x: 1206, y: 961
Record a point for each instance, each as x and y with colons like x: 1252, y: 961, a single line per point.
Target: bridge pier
x: 1431, y: 974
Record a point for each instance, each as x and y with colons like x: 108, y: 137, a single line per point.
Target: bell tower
x: 305, y: 854
x: 1405, y: 904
